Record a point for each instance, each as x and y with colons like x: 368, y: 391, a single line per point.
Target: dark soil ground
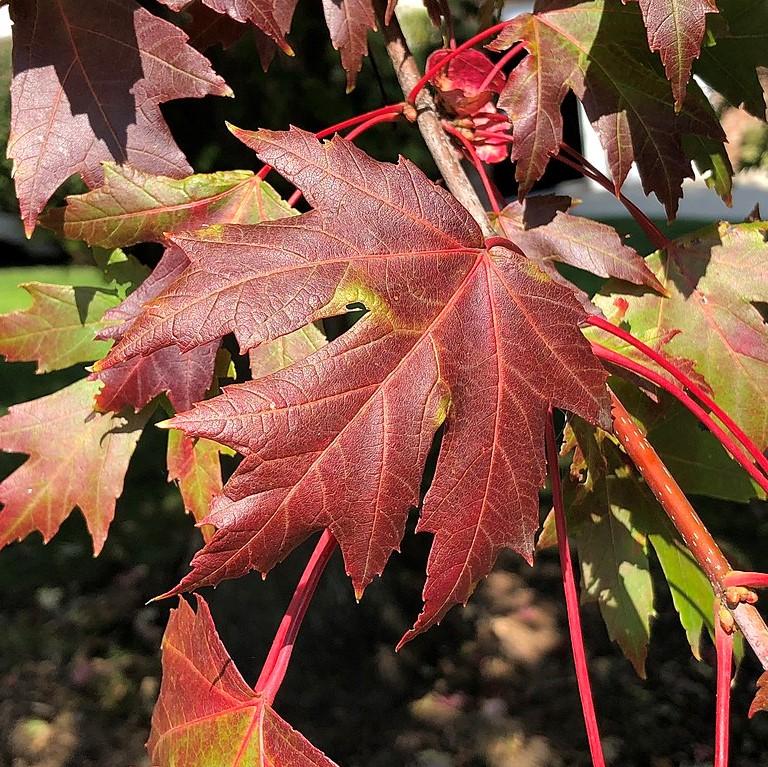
x: 492, y: 686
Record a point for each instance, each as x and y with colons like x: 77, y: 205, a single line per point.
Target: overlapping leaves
x: 64, y: 434
x: 597, y: 49
x: 72, y: 108
x: 717, y: 281
x: 615, y: 521
x: 479, y: 339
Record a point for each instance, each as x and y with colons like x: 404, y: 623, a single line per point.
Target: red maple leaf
x: 71, y: 110
x: 187, y: 729
x: 456, y: 332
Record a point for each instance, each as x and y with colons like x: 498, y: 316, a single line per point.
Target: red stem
x: 388, y: 109
x: 478, y: 164
x: 381, y: 116
x: 352, y: 121
x: 572, y: 602
x: 500, y: 64
x: 736, y: 451
x: 693, y: 388
x: 583, y: 166
x: 433, y: 70
x: 746, y: 578
x: 276, y: 664
x: 502, y: 138
x: 724, y: 648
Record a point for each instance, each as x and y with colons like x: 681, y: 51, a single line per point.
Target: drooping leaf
x: 195, y: 465
x: 72, y: 110
x: 218, y: 720
x: 59, y: 328
x: 737, y: 64
x: 546, y: 232
x: 339, y: 440
x: 349, y: 22
x: 715, y: 279
x: 76, y: 458
x: 597, y: 49
x: 711, y: 160
x: 133, y: 206
x: 676, y: 29
x: 609, y: 486
x: 612, y: 551
x: 692, y: 594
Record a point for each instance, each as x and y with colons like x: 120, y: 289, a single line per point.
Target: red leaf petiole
x: 468, y: 146
x: 736, y: 451
x: 276, y: 664
x: 572, y: 601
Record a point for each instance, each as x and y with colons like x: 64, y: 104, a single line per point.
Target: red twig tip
x: 572, y: 601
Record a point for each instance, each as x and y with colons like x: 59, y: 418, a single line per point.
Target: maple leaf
x: 613, y: 516
x: 219, y: 719
x: 737, y: 64
x: 339, y: 439
x: 546, y: 232
x: 714, y: 279
x: 59, y: 328
x: 676, y: 29
x: 77, y: 458
x: 134, y: 206
x: 71, y: 110
x: 348, y: 23
x: 592, y: 49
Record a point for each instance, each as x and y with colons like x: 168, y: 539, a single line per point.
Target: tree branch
x: 428, y: 121
x: 695, y: 535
